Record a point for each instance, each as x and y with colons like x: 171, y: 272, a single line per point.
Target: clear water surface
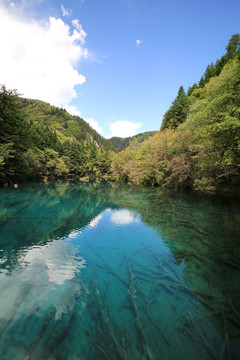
x: 92, y: 271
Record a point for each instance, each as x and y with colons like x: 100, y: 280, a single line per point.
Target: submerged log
x: 27, y: 355
x: 21, y: 298
x: 204, y: 342
x: 109, y: 269
x: 106, y: 319
x: 132, y: 293
x: 98, y: 301
x: 101, y: 346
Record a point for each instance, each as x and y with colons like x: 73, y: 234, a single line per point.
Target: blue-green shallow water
x: 108, y: 272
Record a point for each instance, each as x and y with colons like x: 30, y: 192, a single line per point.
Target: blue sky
x: 116, y: 63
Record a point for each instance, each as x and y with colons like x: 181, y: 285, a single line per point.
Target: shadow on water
x: 91, y: 271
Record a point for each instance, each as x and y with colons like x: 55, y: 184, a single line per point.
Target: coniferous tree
x: 14, y: 130
x: 233, y: 47
x: 191, y: 89
x: 177, y: 112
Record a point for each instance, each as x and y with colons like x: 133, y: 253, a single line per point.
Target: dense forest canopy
x: 122, y: 143
x: 38, y: 140
x: 61, y: 122
x: 198, y: 145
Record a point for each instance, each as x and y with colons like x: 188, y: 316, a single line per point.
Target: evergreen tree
x: 75, y: 155
x: 191, y: 89
x: 14, y: 130
x: 177, y: 112
x: 233, y: 47
x: 233, y: 51
x: 209, y: 73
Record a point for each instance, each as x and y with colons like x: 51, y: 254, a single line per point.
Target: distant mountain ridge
x: 122, y: 143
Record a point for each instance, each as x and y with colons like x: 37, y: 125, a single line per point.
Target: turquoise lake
x: 94, y: 272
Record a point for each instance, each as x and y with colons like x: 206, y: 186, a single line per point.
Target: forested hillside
x: 199, y: 142
x: 177, y: 112
x: 38, y: 140
x: 61, y: 122
x: 122, y: 143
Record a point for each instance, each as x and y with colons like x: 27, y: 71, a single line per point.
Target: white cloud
x: 66, y: 12
x: 23, y: 6
x: 39, y: 59
x: 122, y: 128
x: 78, y: 33
x: 11, y: 4
x: 94, y: 124
x: 139, y: 42
x: 72, y: 110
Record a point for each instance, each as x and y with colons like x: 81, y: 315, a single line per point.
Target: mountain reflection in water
x: 93, y: 271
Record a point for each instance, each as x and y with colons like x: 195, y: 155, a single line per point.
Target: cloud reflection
x: 94, y: 222
x: 59, y: 259
x: 123, y: 217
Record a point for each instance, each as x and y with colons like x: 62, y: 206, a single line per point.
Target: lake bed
x: 94, y: 271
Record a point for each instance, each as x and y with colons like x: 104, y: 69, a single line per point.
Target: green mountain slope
x: 122, y: 143
x: 178, y: 111
x: 42, y: 141
x: 60, y: 121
